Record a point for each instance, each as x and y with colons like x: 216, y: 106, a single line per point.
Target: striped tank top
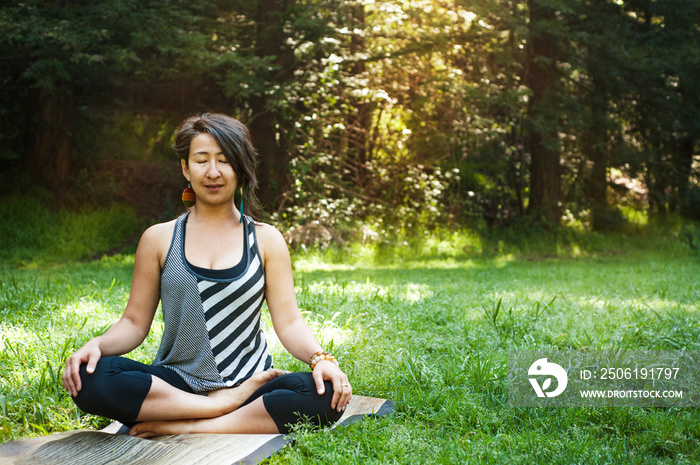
x: 212, y: 335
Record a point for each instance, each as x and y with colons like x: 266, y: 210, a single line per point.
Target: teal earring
x: 241, y: 209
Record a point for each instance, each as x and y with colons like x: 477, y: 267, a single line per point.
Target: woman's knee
x: 304, y: 383
x: 299, y: 401
x: 111, y: 391
x: 95, y: 387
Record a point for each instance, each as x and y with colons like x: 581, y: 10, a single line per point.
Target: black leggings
x: 118, y: 387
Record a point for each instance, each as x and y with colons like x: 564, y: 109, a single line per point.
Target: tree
x: 544, y: 112
x: 268, y: 128
x: 601, y: 35
x: 65, y: 52
x: 367, y: 111
x: 662, y: 106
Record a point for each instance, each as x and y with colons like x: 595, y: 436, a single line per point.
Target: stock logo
x: 551, y: 370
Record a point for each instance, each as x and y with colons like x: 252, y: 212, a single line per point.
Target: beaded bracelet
x: 322, y: 355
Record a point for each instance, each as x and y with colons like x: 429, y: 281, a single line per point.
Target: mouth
x: 214, y: 187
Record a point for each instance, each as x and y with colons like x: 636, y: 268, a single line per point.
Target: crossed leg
x: 130, y: 392
x: 155, y: 401
x: 166, y: 402
x: 251, y: 419
x: 279, y: 403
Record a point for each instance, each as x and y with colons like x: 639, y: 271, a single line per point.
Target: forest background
x: 374, y: 120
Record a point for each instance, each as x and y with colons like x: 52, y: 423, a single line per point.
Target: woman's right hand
x: 90, y: 353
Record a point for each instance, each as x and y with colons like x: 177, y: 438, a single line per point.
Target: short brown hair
x: 233, y: 139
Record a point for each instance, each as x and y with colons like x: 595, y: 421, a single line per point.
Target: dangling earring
x: 241, y: 209
x: 188, y: 196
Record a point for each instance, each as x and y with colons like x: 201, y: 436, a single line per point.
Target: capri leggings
x: 118, y: 387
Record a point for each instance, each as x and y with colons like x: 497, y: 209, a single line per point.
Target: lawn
x: 431, y: 333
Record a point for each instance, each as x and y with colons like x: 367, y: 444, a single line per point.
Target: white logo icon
x: 543, y: 367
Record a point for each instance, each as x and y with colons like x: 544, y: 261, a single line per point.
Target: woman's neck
x: 214, y: 214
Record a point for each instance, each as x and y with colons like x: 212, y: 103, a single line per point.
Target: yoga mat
x: 86, y: 447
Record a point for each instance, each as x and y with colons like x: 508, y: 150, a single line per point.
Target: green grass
x: 34, y: 235
x: 428, y: 329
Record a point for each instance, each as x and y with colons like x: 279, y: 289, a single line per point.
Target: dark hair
x: 234, y: 140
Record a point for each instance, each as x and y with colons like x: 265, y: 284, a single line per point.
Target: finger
x: 65, y: 379
x: 72, y: 376
x: 70, y: 387
x: 346, y: 396
x: 274, y: 372
x: 75, y: 376
x: 318, y: 379
x: 337, y: 392
x: 92, y: 362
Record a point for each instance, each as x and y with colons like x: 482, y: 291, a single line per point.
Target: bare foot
x: 149, y: 429
x: 233, y: 398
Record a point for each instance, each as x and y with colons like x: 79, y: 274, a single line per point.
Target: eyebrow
x: 204, y: 152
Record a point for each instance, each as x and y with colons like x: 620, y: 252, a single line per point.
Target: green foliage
x: 123, y: 135
x: 56, y: 42
x: 357, y: 161
x: 325, y: 212
x: 103, y: 55
x: 33, y: 235
x: 397, y: 116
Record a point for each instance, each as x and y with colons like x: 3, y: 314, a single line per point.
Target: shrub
x: 32, y: 233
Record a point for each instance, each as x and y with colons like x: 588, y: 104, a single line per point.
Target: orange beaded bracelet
x: 322, y: 355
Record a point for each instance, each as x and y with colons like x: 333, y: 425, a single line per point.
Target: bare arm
x: 289, y: 325
x: 287, y: 321
x: 133, y: 327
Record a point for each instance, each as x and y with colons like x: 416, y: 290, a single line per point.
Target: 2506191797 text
x: 652, y: 373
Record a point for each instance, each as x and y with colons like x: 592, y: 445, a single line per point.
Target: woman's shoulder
x: 159, y: 234
x: 267, y: 232
x: 155, y: 242
x: 161, y: 228
x: 270, y: 239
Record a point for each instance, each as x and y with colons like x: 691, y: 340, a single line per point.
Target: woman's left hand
x: 342, y: 391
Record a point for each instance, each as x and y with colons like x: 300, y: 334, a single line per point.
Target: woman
x: 211, y: 269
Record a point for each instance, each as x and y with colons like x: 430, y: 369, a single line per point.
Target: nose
x: 213, y: 170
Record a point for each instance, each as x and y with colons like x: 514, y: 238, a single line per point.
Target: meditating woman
x: 211, y: 268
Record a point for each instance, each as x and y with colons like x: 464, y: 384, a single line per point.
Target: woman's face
x: 207, y: 169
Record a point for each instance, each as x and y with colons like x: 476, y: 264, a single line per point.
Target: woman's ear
x: 185, y: 169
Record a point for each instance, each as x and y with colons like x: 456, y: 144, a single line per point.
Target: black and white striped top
x: 212, y: 335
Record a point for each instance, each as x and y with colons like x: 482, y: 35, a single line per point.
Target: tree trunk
x: 270, y: 133
x: 360, y: 121
x: 593, y: 146
x: 683, y: 162
x: 543, y: 117
x: 684, y: 168
x: 49, y: 150
x: 272, y: 161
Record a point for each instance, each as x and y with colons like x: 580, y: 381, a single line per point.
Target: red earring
x: 188, y: 196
